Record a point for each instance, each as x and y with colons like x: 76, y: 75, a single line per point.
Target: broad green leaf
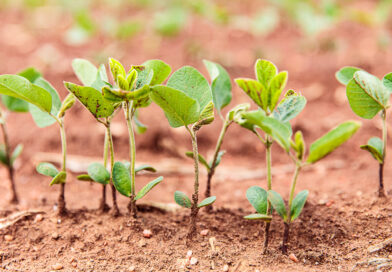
x: 102, y: 73
x: 253, y: 89
x: 16, y: 153
x: 265, y: 71
x: 298, y: 204
x: 192, y: 83
x: 257, y: 196
x: 92, y: 100
x: 148, y: 187
x: 144, y: 75
x: 376, y: 148
x: 257, y: 216
x: 47, y: 169
x: 15, y: 104
x: 122, y: 83
x: 206, y: 116
x: 332, y: 140
x: 345, y: 74
x: 85, y: 71
x: 220, y: 84
x: 290, y: 106
x: 31, y: 74
x: 218, y: 158
x: 60, y: 178
x: 277, y: 203
x: 42, y: 118
x: 116, y: 68
x: 98, y: 173
x: 275, y: 88
x: 366, y: 95
x: 122, y: 179
x: 68, y: 102
x: 202, y: 160
x: 145, y: 167
x: 19, y: 87
x: 181, y: 199
x: 273, y: 127
x: 387, y: 81
x: 84, y: 177
x: 179, y: 108
x: 161, y: 71
x: 207, y: 201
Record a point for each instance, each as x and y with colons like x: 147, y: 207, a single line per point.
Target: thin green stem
x: 61, y: 200
x: 268, y: 144
x: 106, y: 149
x: 116, y: 211
x: 129, y: 112
x: 381, y: 190
x: 292, y: 190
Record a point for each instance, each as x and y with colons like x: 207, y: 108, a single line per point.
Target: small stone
x: 74, y: 265
x: 58, y: 221
x: 147, y: 233
x: 8, y: 238
x: 142, y: 243
x: 181, y: 263
x: 204, y: 232
x: 57, y: 266
x: 189, y: 253
x: 293, y: 258
x: 55, y: 235
x: 38, y: 218
x: 225, y: 268
x: 193, y: 261
x: 132, y: 268
x: 329, y: 203
x: 257, y: 270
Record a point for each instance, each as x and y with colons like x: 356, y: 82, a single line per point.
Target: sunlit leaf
x: 298, y: 204
x: 277, y: 203
x: 207, y: 201
x: 161, y: 71
x: 345, y: 74
x: 60, y: 178
x: 257, y: 196
x: 376, y: 148
x: 182, y: 199
x: 47, y: 169
x: 122, y: 179
x: 148, y: 187
x: 98, y: 173
x: 85, y: 71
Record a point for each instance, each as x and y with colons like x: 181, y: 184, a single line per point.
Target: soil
x: 342, y: 218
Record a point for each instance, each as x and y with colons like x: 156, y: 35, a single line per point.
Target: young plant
x: 318, y: 150
x: 369, y: 96
x: 132, y: 91
x: 221, y: 96
x: 46, y: 109
x: 91, y: 97
x: 272, y: 118
x: 7, y: 156
x: 187, y: 102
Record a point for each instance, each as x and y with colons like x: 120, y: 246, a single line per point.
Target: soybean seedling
x: 272, y: 118
x: 187, y: 102
x: 369, y: 96
x: 221, y: 96
x: 91, y: 97
x: 46, y: 108
x: 318, y: 150
x: 132, y: 91
x: 8, y: 156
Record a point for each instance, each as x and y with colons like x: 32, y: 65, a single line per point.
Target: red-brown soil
x: 341, y: 220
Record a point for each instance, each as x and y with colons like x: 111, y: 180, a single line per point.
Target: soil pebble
x: 147, y: 233
x: 293, y: 258
x: 38, y: 218
x: 194, y: 261
x: 225, y: 268
x: 204, y: 232
x: 8, y: 238
x: 57, y: 266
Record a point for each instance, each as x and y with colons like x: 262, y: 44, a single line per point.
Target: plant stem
x: 291, y: 197
x: 61, y: 199
x: 381, y: 190
x: 132, y: 156
x: 195, y: 195
x: 268, y: 144
x: 10, y: 167
x: 207, y: 193
x: 116, y: 211
x: 103, y: 207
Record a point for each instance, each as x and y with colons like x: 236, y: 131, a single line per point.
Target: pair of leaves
x: 123, y: 182
x: 183, y: 200
x: 15, y: 154
x: 204, y: 162
x: 297, y: 205
x: 48, y: 169
x: 375, y: 146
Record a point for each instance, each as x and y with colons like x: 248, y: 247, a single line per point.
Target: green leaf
x: 275, y: 88
x: 366, y: 95
x: 387, y: 81
x: 85, y: 71
x: 145, y: 167
x: 298, y: 204
x: 332, y: 140
x: 68, y: 102
x: 161, y: 71
x: 220, y: 84
x: 290, y: 106
x: 181, y: 199
x: 92, y: 100
x: 179, y: 108
x: 144, y: 75
x: 376, y: 148
x: 218, y: 158
x: 60, y: 178
x: 257, y: 216
x: 122, y: 179
x: 16, y: 153
x: 31, y: 74
x: 116, y: 68
x: 15, y: 104
x: 148, y: 187
x: 207, y: 201
x: 299, y: 145
x: 47, y: 169
x: 277, y: 203
x: 202, y: 160
x: 19, y: 87
x: 84, y: 177
x: 257, y: 196
x: 139, y: 126
x: 3, y: 155
x: 345, y: 74
x: 206, y: 116
x: 237, y: 110
x: 192, y: 83
x: 42, y: 118
x: 253, y: 89
x: 98, y: 173
x: 273, y: 127
x: 265, y: 71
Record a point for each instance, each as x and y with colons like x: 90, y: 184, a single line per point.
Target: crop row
x: 190, y: 101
